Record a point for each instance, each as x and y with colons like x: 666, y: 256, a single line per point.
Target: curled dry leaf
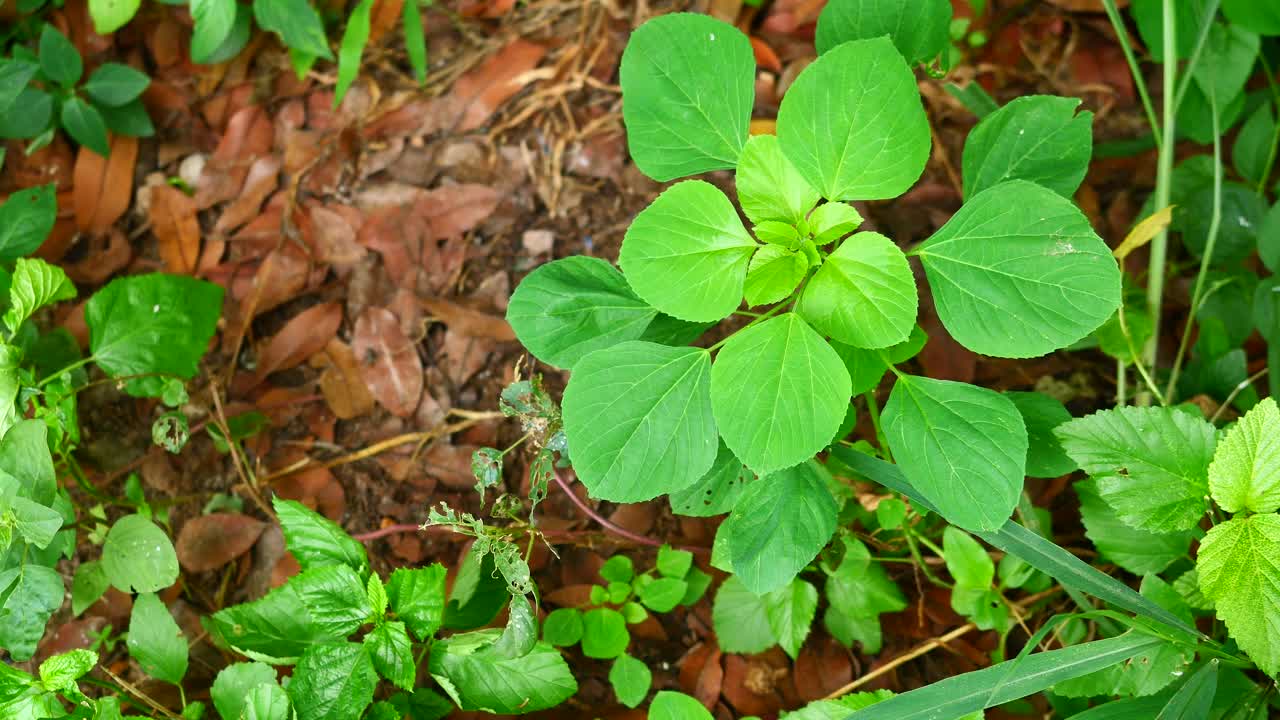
x: 210, y: 541
x: 107, y: 254
x: 469, y: 322
x: 389, y: 361
x: 102, y: 186
x: 177, y: 229
x: 479, y: 93
x: 303, y: 336
x: 262, y: 180
x: 249, y: 135
x: 342, y: 384
x: 317, y: 489
x: 333, y: 236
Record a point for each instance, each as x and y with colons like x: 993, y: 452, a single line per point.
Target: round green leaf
x: 214, y: 21
x: 769, y: 187
x: 864, y: 294
x: 604, y: 634
x: 687, y: 253
x: 1245, y: 472
x: 669, y: 705
x: 568, y: 308
x: 630, y: 679
x: 663, y: 594
x: 232, y: 686
x: 639, y: 420
x: 779, y: 392
x: 716, y: 491
x: 779, y: 525
x: 1041, y: 414
x: 740, y: 619
x: 919, y: 29
x: 1018, y: 272
x: 1226, y: 61
x: 1038, y: 138
x: 853, y: 125
x: 963, y: 447
x: 138, y: 557
x: 111, y: 15
x: 563, y: 627
x: 688, y: 85
x: 774, y: 272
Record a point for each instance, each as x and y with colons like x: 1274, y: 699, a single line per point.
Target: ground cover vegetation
x: 756, y: 365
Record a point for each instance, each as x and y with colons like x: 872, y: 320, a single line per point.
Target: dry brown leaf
x: 454, y: 209
x: 389, y: 361
x: 572, y: 596
x: 317, y: 489
x: 210, y: 541
x: 303, y: 336
x: 702, y: 674
x: 479, y: 93
x: 450, y: 464
x: 384, y: 18
x: 107, y: 254
x: 102, y: 186
x: 262, y: 180
x: 177, y: 229
x: 469, y: 322
x: 333, y: 236
x: 341, y: 383
x: 822, y: 667
x: 249, y: 135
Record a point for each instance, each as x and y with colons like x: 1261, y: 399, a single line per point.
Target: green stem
x: 1206, y: 22
x: 1122, y: 34
x: 1273, y: 361
x: 919, y: 560
x: 764, y: 316
x: 1164, y: 175
x: 873, y: 409
x: 1122, y: 377
x: 73, y: 366
x: 1215, y: 220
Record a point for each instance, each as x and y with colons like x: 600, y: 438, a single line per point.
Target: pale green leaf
x: 864, y: 294
x: 853, y: 125
x: 639, y: 420
x: 604, y: 633
x: 35, y: 284
x: 233, y: 684
x: 1239, y: 568
x: 831, y: 221
x: 36, y: 523
x: 1041, y: 414
x: 1151, y: 463
x: 1018, y: 272
x: 333, y: 682
x: 214, y: 20
x: 476, y: 679
x: 1245, y: 472
x: 1039, y: 138
x: 563, y: 627
x: 137, y: 556
x: 687, y: 253
x: 790, y: 610
x: 155, y: 641
x: 867, y: 367
x: 688, y: 86
x: 967, y: 561
x: 1138, y: 551
x: 769, y: 188
x: 88, y: 585
x: 673, y: 563
x: 354, y: 38
x: 668, y: 705
x: 266, y: 702
x: 630, y: 679
x: 1253, y: 144
x: 567, y: 308
x: 110, y: 15
x: 741, y: 619
x: 391, y: 652
x: 60, y: 672
x: 773, y: 274
x: 857, y: 593
x: 799, y: 393
x: 963, y: 447
x: 716, y: 491
x: 417, y: 597
x: 779, y: 525
x: 918, y: 28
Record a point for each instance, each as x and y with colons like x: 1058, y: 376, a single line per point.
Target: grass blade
x: 1044, y: 555
x: 1006, y: 681
x: 1195, y: 697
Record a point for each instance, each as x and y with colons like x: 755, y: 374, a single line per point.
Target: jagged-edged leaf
x: 1245, y: 472
x: 1138, y: 551
x: 1151, y: 463
x: 1239, y: 568
x: 688, y: 86
x: 852, y: 123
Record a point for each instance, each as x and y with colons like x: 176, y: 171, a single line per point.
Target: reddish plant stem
x: 388, y: 530
x: 616, y: 529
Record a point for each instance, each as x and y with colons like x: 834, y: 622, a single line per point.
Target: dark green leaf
x: 129, y: 119
x: 741, y: 619
x: 296, y: 22
x: 316, y: 540
x: 334, y: 597
x: 333, y: 682
x: 85, y: 125
x: 417, y: 597
x: 688, y: 83
x: 918, y: 29
x: 34, y: 593
x: 155, y: 641
x: 790, y: 610
x: 1195, y: 697
x: 1253, y: 144
x: 29, y: 116
x: 1039, y: 138
x: 1260, y: 17
x: 858, y: 593
x: 59, y: 59
x: 25, y: 221
x: 716, y: 491
x: 24, y: 455
x: 392, y: 653
x: 89, y: 583
x: 152, y: 324
x: 114, y: 85
x: 1138, y: 551
x: 15, y: 75
x: 1041, y: 414
x: 415, y: 46
x: 475, y: 678
x: 1226, y: 61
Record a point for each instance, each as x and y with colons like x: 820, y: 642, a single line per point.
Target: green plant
x: 602, y: 630
x: 146, y: 332
x: 41, y: 91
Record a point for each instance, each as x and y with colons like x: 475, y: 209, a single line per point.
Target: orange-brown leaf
x: 389, y: 361
x: 303, y: 336
x: 177, y: 229
x: 208, y: 542
x: 341, y: 383
x: 103, y: 187
x: 481, y: 91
